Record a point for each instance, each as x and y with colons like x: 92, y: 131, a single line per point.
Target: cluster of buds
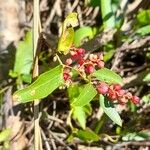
x: 115, y: 92
x: 87, y: 65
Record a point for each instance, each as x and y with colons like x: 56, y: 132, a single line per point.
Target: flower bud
x: 66, y: 76
x: 100, y: 64
x: 89, y: 68
x: 93, y: 57
x: 112, y: 94
x: 103, y: 88
x: 81, y: 61
x: 81, y: 51
x: 69, y: 61
x: 135, y: 99
x: 117, y: 87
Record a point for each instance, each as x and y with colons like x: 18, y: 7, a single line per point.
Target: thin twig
x: 45, y: 140
x: 36, y: 28
x: 60, y: 141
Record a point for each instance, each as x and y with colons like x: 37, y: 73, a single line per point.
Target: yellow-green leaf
x: 66, y: 40
x: 67, y: 35
x: 71, y: 20
x: 5, y: 135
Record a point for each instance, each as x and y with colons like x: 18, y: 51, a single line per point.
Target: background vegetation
x: 117, y: 28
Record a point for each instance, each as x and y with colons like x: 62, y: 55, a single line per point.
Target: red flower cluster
x: 115, y: 92
x: 85, y: 65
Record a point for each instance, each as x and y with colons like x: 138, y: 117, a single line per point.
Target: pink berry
x: 103, y: 88
x: 100, y: 64
x: 117, y: 87
x: 89, y: 68
x: 135, y: 99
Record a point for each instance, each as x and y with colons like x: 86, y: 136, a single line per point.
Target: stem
x: 59, y: 60
x: 36, y: 27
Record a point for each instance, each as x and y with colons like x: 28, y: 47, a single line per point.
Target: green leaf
x: 86, y: 95
x: 72, y: 20
x: 146, y: 98
x: 73, y: 91
x: 79, y: 114
x: 81, y: 34
x: 27, y: 78
x: 45, y: 84
x: 94, y: 3
x: 67, y: 35
x: 143, y: 18
x: 24, y: 55
x: 109, y: 55
x: 5, y: 135
x: 147, y: 78
x: 87, y: 135
x: 66, y: 40
x: 109, y: 109
x: 108, y: 76
x: 143, y: 30
x: 137, y: 136
x: 107, y: 14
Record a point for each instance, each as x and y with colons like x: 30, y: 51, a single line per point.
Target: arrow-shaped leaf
x: 45, y: 84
